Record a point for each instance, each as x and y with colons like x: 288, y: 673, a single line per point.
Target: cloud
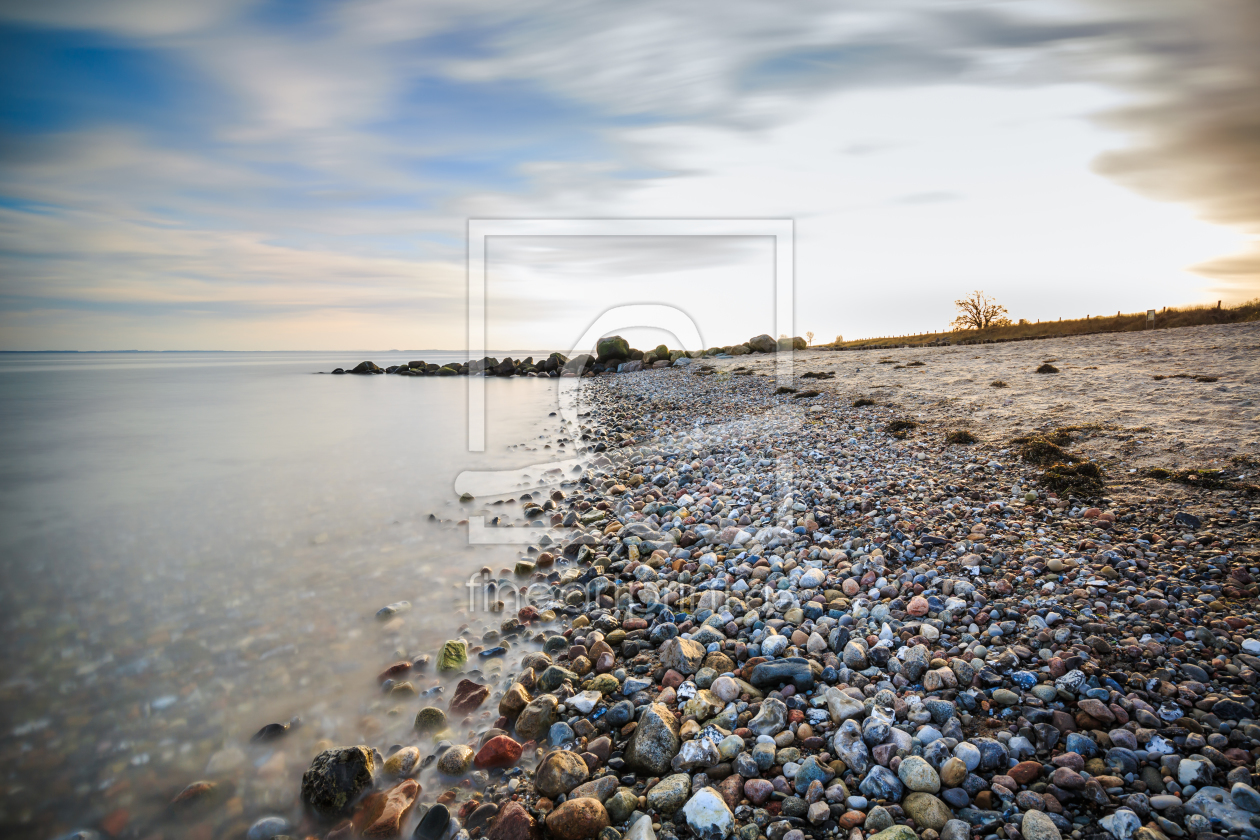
x: 137, y: 18
x: 1195, y: 131
x: 324, y: 157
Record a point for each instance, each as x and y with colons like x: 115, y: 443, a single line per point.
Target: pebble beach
x: 879, y: 598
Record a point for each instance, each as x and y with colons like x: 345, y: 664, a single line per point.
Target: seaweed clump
x: 863, y: 401
x: 1206, y: 479
x: 997, y: 383
x: 901, y: 429
x: 819, y: 374
x: 1047, y: 368
x: 785, y: 389
x: 804, y: 395
x: 915, y: 363
x: 1045, y: 450
x: 1082, y: 479
x: 961, y: 437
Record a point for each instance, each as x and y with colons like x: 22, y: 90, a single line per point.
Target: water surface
x: 194, y: 545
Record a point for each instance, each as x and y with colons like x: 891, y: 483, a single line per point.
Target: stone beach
x: 763, y: 611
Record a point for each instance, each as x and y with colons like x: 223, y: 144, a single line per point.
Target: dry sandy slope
x: 1105, y: 379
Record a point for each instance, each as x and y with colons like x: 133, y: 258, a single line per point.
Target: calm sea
x: 194, y: 545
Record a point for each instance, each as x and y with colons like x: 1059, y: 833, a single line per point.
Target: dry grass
x: 1185, y: 316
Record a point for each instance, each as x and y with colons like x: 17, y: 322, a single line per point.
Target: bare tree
x: 809, y: 337
x: 977, y: 311
x: 839, y: 339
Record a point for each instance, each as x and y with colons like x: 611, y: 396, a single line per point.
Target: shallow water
x: 195, y: 545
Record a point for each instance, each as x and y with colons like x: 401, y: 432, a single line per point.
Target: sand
x: 1106, y: 381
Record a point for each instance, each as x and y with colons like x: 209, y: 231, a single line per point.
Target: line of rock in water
x: 760, y: 628
x: 612, y: 355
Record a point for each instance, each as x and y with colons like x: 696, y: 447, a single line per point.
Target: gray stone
x: 850, y: 748
x: 655, y: 741
x: 1215, y: 804
x: 1245, y: 797
x: 927, y: 810
x: 670, y: 793
x: 882, y: 783
x: 917, y: 775
x: 1035, y: 826
x: 771, y: 719
x: 683, y: 655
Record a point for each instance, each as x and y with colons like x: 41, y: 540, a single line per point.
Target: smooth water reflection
x: 194, y: 545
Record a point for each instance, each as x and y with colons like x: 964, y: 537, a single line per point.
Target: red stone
x: 1069, y: 759
x: 397, y: 805
x: 397, y: 669
x: 1025, y: 771
x: 499, y: 751
x: 467, y: 697
x: 195, y: 794
x: 115, y: 822
x: 732, y: 790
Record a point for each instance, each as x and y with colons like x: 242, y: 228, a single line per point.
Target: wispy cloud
x: 292, y: 161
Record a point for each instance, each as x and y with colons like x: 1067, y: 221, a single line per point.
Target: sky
x: 253, y: 175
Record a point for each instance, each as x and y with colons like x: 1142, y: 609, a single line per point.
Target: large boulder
x: 655, y: 741
x: 614, y: 347
x: 579, y: 363
x: 762, y: 344
x: 336, y: 779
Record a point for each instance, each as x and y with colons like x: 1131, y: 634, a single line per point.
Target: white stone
x: 1121, y: 824
x: 708, y: 816
x: 842, y: 706
x: 641, y: 830
x: 585, y: 701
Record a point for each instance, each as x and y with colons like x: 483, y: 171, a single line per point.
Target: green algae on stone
x: 453, y: 656
x: 430, y: 719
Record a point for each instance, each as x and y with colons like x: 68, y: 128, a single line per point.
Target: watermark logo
x: 607, y: 317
